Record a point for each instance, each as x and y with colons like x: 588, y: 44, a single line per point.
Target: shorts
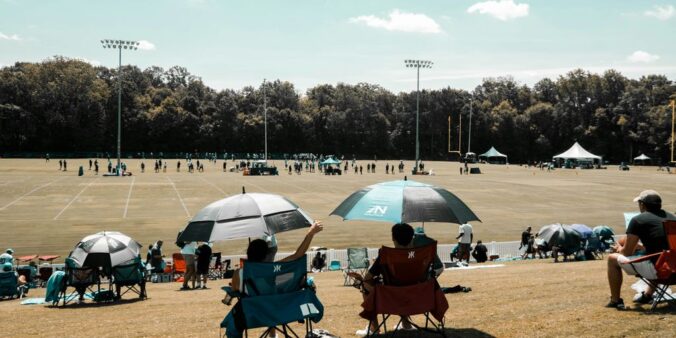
x: 464, y: 248
x: 189, y: 260
x: 202, y: 269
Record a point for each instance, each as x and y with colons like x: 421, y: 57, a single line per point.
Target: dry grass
x: 44, y: 211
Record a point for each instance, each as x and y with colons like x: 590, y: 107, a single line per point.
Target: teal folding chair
x: 274, y: 295
x: 9, y: 285
x: 334, y: 266
x: 358, y: 262
x: 130, y: 277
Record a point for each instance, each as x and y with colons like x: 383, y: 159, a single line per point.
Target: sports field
x: 44, y: 211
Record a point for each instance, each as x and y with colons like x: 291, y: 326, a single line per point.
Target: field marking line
x: 75, y: 198
x: 179, y: 196
x: 30, y: 192
x: 126, y: 206
x: 215, y: 186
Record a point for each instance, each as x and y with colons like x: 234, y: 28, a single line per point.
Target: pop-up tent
x: 494, y: 156
x: 578, y: 154
x: 642, y: 158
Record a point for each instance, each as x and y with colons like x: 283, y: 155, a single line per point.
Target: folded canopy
x: 576, y: 152
x: 493, y: 153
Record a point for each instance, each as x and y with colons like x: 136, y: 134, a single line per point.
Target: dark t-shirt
x: 156, y: 260
x: 524, y: 238
x: 480, y: 251
x: 203, y: 256
x: 650, y: 230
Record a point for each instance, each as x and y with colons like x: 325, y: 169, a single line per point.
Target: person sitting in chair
x: 319, y: 262
x: 402, y: 237
x: 646, y: 227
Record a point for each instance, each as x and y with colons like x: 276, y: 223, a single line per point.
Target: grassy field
x: 46, y: 211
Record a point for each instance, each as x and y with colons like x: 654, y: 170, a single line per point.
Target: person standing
x: 90, y: 164
x: 143, y: 167
x: 525, y: 236
x: 60, y: 165
x: 188, y: 252
x: 47, y: 157
x: 361, y: 170
x: 65, y: 165
x: 465, y: 236
x: 156, y: 261
x: 203, y: 261
x: 96, y: 167
x: 178, y: 166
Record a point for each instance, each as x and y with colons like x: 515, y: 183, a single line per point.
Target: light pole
x: 417, y: 64
x: 673, y: 121
x: 469, y: 137
x: 119, y: 45
x: 265, y: 119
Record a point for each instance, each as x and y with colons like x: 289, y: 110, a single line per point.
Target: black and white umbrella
x: 105, y: 249
x: 247, y: 215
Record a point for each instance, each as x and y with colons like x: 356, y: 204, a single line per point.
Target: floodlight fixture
x: 417, y: 64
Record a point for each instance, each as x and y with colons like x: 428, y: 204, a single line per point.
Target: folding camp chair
x: 178, y: 265
x: 357, y: 262
x: 334, y: 266
x: 408, y: 288
x: 132, y: 278
x: 594, y: 246
x: 27, y: 273
x: 9, y: 285
x: 216, y: 269
x: 660, y: 274
x: 274, y: 295
x: 82, y: 280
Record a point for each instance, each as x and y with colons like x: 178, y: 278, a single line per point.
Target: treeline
x: 64, y: 105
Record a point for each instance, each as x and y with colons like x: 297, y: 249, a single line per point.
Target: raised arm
x: 305, y: 244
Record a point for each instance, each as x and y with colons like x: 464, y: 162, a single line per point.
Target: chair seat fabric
x: 405, y: 300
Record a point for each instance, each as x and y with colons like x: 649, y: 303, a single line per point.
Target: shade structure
x: 105, y: 249
x: 247, y: 215
x: 576, y: 152
x: 641, y: 157
x: 493, y: 153
x: 583, y: 230
x: 330, y: 161
x: 404, y: 201
x: 562, y: 236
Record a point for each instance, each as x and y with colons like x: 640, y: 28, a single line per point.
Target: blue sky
x: 230, y: 44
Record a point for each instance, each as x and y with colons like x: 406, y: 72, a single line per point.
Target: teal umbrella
x: 405, y: 201
x: 604, y: 232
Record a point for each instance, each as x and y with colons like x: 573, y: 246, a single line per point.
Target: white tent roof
x: 577, y: 152
x: 641, y: 157
x: 493, y: 153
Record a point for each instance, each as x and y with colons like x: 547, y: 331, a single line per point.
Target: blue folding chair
x: 130, y: 277
x: 358, y: 262
x: 274, y: 295
x: 9, y: 285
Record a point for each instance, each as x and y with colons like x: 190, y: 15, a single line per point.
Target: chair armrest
x: 644, y: 258
x: 231, y: 292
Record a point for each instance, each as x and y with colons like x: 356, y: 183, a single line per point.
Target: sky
x: 232, y: 44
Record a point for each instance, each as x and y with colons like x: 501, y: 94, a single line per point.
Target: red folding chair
x: 178, y: 265
x: 408, y: 288
x: 662, y: 273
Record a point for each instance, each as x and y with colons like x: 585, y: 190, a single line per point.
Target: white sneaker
x: 400, y: 326
x: 365, y: 332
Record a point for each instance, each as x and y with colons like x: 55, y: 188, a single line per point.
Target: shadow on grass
x: 448, y: 333
x: 92, y: 304
x: 661, y: 309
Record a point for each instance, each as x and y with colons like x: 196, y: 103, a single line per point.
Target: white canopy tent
x: 494, y: 154
x: 641, y: 157
x: 577, y: 153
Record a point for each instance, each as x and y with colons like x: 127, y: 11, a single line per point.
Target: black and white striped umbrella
x: 105, y: 249
x: 247, y: 215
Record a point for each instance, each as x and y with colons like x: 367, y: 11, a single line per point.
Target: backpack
x: 179, y: 243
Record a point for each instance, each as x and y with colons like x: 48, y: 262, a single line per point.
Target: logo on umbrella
x: 376, y: 210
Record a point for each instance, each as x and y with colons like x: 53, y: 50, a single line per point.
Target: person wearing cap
x: 646, y: 227
x: 7, y: 257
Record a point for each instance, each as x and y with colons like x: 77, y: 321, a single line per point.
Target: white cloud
x: 661, y: 12
x: 503, y: 9
x: 12, y: 37
x: 146, y: 45
x: 91, y: 62
x: 643, y: 57
x: 402, y: 22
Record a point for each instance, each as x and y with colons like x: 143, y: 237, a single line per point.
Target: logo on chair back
x: 277, y: 268
x: 376, y: 210
x: 411, y: 254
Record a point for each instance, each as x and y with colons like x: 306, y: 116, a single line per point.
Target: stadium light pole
x: 119, y: 45
x: 673, y: 132
x: 265, y: 119
x: 417, y: 64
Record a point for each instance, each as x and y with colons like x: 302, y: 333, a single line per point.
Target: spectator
x: 7, y: 257
x: 188, y: 252
x: 421, y: 239
x: 646, y: 227
x: 480, y: 252
x: 203, y: 261
x: 157, y: 262
x: 530, y: 248
x: 319, y: 262
x: 525, y: 236
x: 149, y: 255
x: 466, y: 237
